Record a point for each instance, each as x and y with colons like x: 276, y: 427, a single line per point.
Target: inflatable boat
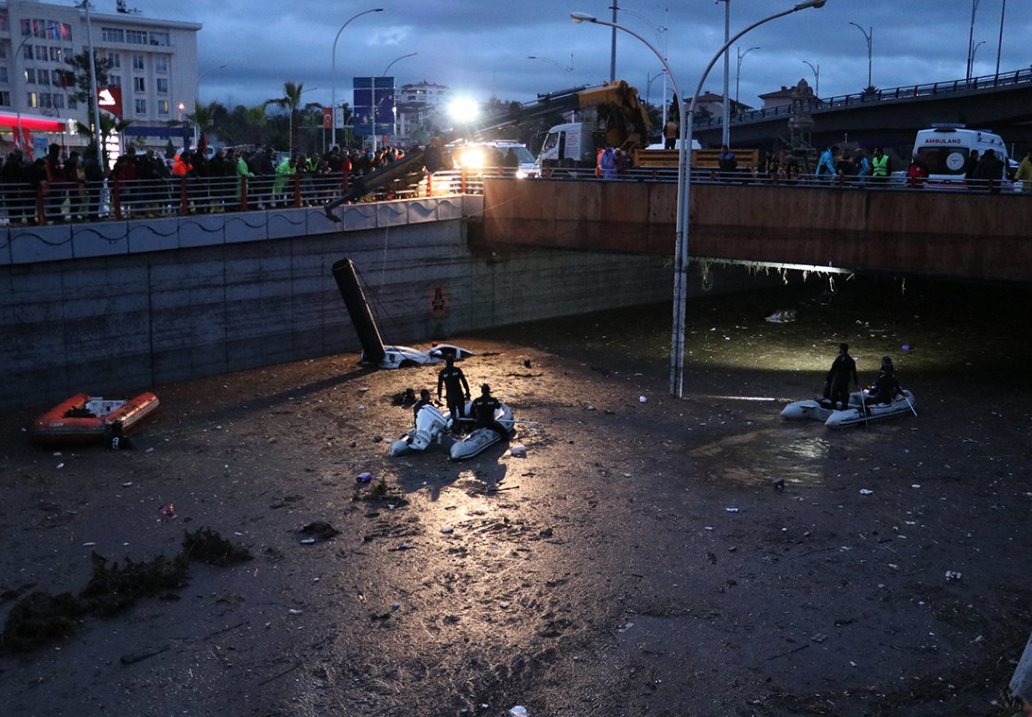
x: 855, y: 414
x: 434, y: 428
x: 483, y: 438
x: 91, y: 419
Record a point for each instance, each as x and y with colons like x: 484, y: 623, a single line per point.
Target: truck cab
x: 568, y: 145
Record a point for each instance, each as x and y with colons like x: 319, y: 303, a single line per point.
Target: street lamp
x: 971, y: 39
x: 677, y: 339
x: 197, y: 101
x: 999, y: 47
x: 816, y: 79
x: 333, y: 74
x: 661, y: 42
x: 549, y: 59
x: 974, y: 52
x: 373, y: 95
x: 725, y: 122
x: 868, y: 35
x: 738, y: 72
x: 85, y: 5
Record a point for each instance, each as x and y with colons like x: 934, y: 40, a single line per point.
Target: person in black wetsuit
x: 836, y: 385
x: 886, y: 386
x: 456, y: 388
x: 483, y: 410
x: 424, y: 400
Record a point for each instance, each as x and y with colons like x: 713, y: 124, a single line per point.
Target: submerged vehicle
x: 857, y: 413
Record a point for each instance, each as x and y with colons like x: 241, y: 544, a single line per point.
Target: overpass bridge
x: 955, y: 235
x: 890, y: 117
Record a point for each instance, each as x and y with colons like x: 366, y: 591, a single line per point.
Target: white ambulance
x: 945, y: 150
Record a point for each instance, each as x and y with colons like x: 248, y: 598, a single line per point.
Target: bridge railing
x: 908, y: 92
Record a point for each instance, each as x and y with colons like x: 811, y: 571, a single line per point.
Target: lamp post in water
x: 677, y: 339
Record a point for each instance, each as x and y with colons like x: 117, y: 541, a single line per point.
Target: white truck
x: 945, y: 150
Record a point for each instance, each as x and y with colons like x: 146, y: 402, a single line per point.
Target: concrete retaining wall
x: 117, y: 307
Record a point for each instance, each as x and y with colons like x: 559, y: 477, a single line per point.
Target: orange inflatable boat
x: 91, y: 419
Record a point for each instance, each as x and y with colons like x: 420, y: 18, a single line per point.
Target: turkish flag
x: 327, y: 117
x: 109, y: 99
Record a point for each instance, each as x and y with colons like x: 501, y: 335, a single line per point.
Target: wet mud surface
x: 638, y: 560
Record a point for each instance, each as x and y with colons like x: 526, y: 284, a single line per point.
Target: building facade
x: 419, y: 107
x: 154, y: 62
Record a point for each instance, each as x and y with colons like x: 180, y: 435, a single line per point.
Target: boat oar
x: 907, y: 399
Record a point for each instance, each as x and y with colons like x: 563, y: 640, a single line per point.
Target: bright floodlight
x: 582, y: 17
x: 464, y: 109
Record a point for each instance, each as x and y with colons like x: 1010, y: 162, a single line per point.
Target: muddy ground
x: 636, y: 561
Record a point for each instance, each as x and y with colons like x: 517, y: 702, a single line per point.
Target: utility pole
x: 725, y: 125
x: 612, y: 53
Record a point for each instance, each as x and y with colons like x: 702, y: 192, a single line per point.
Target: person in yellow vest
x: 879, y: 166
x: 1024, y: 174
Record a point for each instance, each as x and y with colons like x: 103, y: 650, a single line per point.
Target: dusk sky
x: 479, y: 48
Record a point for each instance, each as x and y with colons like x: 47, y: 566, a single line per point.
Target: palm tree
x: 291, y: 100
x: 203, y: 118
x: 108, y: 126
x: 255, y: 117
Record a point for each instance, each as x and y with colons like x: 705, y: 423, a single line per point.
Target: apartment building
x: 153, y: 61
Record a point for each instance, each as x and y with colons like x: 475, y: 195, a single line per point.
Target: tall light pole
x: 85, y: 5
x: 660, y: 32
x: 554, y: 62
x: 677, y: 339
x: 612, y: 52
x: 738, y: 71
x: 333, y: 74
x: 197, y: 100
x: 373, y: 97
x: 868, y: 36
x: 999, y: 46
x: 725, y: 124
x: 971, y: 39
x: 816, y: 78
x: 974, y: 52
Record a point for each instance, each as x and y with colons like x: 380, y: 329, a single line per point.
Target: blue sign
x: 366, y: 95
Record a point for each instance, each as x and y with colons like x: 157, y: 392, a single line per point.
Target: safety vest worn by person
x: 881, y: 165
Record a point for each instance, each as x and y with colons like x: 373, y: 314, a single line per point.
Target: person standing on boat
x: 456, y: 388
x: 836, y: 385
x: 483, y: 410
x: 886, y: 386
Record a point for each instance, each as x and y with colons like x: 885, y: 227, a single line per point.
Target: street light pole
x: 197, y: 101
x: 999, y: 46
x: 373, y: 97
x: 971, y: 39
x: 93, y: 83
x: 725, y: 124
x: 816, y: 79
x: 612, y: 53
x: 738, y: 72
x: 677, y: 340
x: 333, y: 75
x: 868, y: 36
x: 662, y: 45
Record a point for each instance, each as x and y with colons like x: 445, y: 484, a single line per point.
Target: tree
x: 203, y: 116
x: 291, y: 100
x: 79, y: 78
x: 256, y: 120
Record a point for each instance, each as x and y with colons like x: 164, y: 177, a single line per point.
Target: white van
x: 945, y: 150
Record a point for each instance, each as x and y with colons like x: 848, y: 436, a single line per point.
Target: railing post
x: 296, y: 178
x: 462, y: 181
x: 116, y: 198
x: 243, y: 193
x: 41, y: 208
x: 184, y: 199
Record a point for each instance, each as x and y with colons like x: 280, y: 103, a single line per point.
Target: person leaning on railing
x: 1024, y: 174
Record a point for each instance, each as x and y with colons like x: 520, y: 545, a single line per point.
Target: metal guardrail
x: 23, y: 204
x: 895, y: 94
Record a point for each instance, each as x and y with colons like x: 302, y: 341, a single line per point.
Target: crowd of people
x: 69, y: 186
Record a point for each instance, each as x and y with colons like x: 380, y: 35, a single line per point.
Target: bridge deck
x: 953, y: 235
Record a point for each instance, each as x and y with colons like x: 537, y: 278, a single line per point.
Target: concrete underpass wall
x: 114, y: 320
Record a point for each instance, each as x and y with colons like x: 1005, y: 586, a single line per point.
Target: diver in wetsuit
x: 483, y: 410
x: 886, y: 386
x: 836, y: 385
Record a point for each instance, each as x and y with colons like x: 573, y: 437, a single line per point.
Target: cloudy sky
x: 480, y: 47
